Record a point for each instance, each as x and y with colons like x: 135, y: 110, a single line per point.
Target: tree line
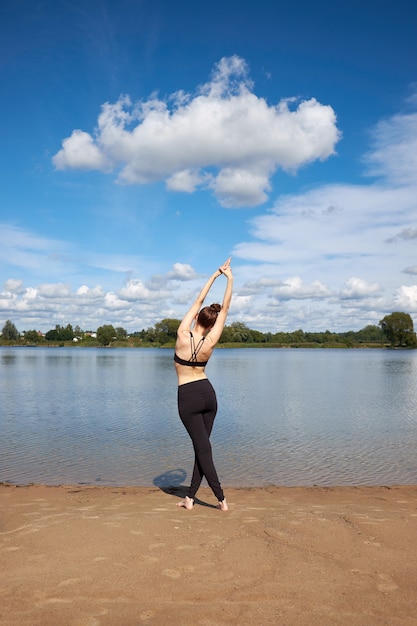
x: 395, y: 330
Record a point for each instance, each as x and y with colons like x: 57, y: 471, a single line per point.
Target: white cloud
x: 186, y: 181
x: 182, y: 271
x: 30, y: 294
x: 7, y: 302
x: 406, y: 298
x: 238, y: 187
x: 358, y: 288
x: 135, y: 290
x: 80, y: 151
x: 56, y: 290
x: 394, y: 150
x: 138, y: 302
x: 90, y: 293
x: 13, y: 286
x: 222, y: 128
x: 330, y: 218
x: 112, y: 302
x: 407, y: 234
x: 293, y: 288
x: 25, y: 250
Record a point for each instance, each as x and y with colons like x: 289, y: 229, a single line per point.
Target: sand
x: 100, y: 556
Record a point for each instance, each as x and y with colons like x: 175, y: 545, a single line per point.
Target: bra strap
x: 195, y: 349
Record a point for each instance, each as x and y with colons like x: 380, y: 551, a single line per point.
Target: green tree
x: 148, y: 335
x: 257, y: 337
x: 121, y: 333
x: 369, y: 333
x: 227, y: 335
x: 32, y: 336
x: 240, y: 332
x: 106, y: 334
x: 166, y: 330
x: 10, y: 332
x: 398, y: 328
x: 52, y: 335
x: 298, y: 336
x: 67, y: 333
x: 60, y: 333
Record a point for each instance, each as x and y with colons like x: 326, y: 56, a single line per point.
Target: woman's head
x: 208, y: 315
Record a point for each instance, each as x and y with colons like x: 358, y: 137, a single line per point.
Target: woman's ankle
x: 223, y: 505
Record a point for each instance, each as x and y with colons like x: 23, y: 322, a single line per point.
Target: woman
x: 197, y: 336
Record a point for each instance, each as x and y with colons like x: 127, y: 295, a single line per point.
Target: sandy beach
x: 100, y: 556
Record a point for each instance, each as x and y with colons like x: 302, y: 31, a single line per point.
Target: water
x: 286, y: 417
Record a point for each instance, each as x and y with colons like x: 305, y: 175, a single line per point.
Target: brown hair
x: 208, y: 315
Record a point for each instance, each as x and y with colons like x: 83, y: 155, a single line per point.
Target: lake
x: 286, y: 417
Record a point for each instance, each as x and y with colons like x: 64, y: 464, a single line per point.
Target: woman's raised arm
x: 198, y: 302
x: 217, y: 329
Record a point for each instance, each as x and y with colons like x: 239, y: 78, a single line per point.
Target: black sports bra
x: 194, y: 351
x: 181, y: 361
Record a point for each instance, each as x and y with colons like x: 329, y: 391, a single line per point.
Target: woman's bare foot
x: 187, y: 503
x: 223, y: 505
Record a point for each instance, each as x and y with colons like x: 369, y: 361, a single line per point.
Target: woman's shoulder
x: 183, y: 338
x: 184, y: 332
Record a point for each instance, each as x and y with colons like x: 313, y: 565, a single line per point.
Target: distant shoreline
x: 235, y: 346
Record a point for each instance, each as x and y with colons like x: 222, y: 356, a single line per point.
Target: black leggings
x: 197, y: 406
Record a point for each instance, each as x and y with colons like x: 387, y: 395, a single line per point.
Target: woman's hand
x: 226, y: 265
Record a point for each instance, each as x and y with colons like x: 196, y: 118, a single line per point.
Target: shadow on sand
x: 171, y: 482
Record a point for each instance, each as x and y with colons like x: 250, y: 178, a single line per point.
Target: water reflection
x: 8, y: 358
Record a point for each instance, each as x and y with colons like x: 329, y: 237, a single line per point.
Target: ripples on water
x: 286, y: 417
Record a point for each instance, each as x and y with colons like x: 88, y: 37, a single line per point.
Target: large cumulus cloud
x: 223, y: 138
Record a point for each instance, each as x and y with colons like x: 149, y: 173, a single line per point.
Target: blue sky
x: 144, y: 142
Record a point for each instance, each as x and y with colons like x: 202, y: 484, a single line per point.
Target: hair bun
x: 216, y: 307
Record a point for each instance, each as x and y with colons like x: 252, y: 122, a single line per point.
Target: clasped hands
x: 225, y: 268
